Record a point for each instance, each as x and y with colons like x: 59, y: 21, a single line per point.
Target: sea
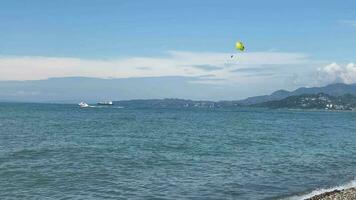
x: 60, y: 151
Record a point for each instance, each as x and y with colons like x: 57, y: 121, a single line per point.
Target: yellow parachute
x: 238, y: 46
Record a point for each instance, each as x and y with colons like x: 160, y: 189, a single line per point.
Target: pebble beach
x: 345, y: 194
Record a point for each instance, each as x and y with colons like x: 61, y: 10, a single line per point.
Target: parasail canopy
x: 240, y: 46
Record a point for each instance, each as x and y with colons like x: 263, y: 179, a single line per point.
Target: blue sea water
x: 55, y: 151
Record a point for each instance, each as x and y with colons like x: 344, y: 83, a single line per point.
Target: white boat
x: 83, y: 105
x: 106, y: 103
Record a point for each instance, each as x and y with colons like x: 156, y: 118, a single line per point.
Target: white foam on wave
x: 323, y: 190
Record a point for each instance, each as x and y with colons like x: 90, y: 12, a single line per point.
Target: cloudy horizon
x: 39, y: 42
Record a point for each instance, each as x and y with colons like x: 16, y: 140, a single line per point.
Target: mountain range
x: 337, y: 89
x: 313, y: 101
x: 331, y: 97
x: 76, y: 89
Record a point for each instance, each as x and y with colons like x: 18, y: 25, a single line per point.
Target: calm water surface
x: 59, y: 151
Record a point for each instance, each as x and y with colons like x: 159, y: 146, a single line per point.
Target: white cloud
x: 335, y: 73
x: 174, y: 63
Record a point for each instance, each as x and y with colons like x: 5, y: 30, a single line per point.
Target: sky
x: 289, y: 44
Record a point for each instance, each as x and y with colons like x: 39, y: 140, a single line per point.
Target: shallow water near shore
x: 62, y: 151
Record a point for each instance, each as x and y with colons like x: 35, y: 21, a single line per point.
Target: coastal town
x: 319, y: 101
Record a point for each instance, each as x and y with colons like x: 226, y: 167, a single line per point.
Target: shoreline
x: 345, y: 191
x: 345, y: 194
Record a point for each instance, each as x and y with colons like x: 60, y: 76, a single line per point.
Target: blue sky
x: 322, y: 32
x: 110, y: 28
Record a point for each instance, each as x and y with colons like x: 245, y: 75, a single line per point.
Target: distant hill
x: 280, y: 94
x: 92, y: 90
x: 337, y: 89
x: 165, y: 103
x: 313, y: 101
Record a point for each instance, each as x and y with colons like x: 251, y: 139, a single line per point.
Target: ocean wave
x: 322, y: 190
